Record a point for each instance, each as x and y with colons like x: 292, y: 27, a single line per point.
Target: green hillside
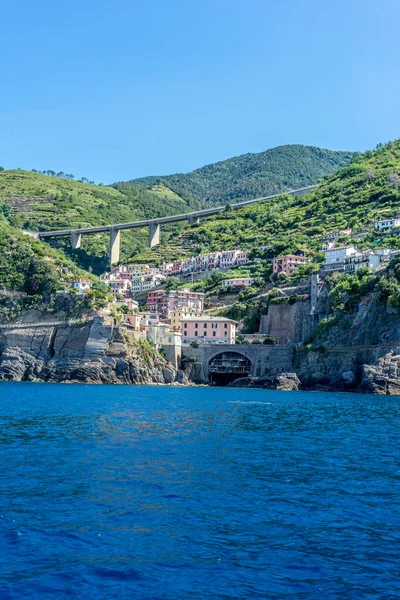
x: 252, y: 175
x: 37, y: 202
x: 353, y: 197
x: 35, y: 271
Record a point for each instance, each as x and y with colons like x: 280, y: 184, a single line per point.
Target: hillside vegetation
x: 353, y: 197
x: 254, y: 175
x: 35, y: 271
x: 38, y: 202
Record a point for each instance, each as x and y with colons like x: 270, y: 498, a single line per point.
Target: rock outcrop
x: 88, y: 353
x: 373, y: 369
x: 283, y: 381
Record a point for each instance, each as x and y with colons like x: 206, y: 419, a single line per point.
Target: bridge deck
x: 170, y: 219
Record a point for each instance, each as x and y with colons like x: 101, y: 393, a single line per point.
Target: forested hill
x: 252, y: 175
x: 353, y: 197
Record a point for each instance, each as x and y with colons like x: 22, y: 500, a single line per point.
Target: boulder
x: 169, y: 374
x: 283, y: 381
x: 348, y: 377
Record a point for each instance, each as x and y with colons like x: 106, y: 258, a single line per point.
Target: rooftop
x: 339, y: 248
x: 239, y: 278
x: 209, y: 319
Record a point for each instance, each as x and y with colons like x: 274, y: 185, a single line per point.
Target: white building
x: 238, y: 282
x: 338, y: 255
x: 385, y: 224
x: 82, y: 285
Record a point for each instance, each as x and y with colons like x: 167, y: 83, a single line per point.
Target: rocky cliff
x: 90, y: 353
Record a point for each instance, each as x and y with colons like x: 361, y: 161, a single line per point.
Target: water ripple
x: 156, y: 493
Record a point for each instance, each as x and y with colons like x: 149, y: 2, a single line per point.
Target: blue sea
x: 195, y: 493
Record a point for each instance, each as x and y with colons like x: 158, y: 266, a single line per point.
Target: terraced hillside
x: 38, y: 202
x: 353, y: 197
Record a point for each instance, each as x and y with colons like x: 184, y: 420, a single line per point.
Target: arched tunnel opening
x: 228, y: 366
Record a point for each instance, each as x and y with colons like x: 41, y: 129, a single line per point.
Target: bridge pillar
x: 76, y: 240
x: 193, y: 220
x: 115, y: 242
x: 154, y: 234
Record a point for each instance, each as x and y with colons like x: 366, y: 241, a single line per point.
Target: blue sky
x: 123, y: 89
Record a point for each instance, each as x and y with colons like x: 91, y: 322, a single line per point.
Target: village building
x: 166, y: 301
x: 204, y: 329
x: 238, y: 282
x: 82, y: 285
x: 351, y: 262
x: 386, y: 224
x: 120, y: 287
x: 175, y: 316
x: 335, y: 234
x: 206, y: 262
x: 338, y: 255
x: 288, y: 262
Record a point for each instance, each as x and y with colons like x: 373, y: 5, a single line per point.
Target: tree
x: 2, y: 169
x: 216, y: 277
x: 393, y: 179
x: 172, y: 283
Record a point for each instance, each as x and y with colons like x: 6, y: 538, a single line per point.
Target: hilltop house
x: 337, y: 255
x: 289, y: 262
x: 385, y: 224
x: 82, y: 285
x: 335, y: 234
x: 238, y: 282
x: 349, y: 259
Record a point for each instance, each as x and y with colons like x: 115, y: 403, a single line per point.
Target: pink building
x: 166, y: 301
x: 212, y: 330
x: 120, y: 287
x: 177, y: 267
x: 289, y: 262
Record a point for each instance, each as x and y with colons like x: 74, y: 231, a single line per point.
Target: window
x: 196, y: 325
x: 205, y: 325
x: 214, y: 333
x: 214, y: 325
x: 226, y: 326
x: 225, y: 334
x: 196, y: 333
x: 185, y: 326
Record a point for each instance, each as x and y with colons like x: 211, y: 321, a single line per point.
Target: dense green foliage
x: 354, y: 197
x: 253, y: 175
x: 30, y: 266
x: 38, y: 202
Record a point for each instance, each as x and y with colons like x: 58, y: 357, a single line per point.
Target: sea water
x: 156, y: 492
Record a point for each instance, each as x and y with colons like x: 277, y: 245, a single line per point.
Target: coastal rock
x: 348, y: 377
x: 195, y: 373
x: 182, y: 378
x: 89, y: 353
x: 283, y: 381
x: 169, y: 374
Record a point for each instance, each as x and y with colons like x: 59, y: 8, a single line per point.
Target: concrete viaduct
x: 153, y: 224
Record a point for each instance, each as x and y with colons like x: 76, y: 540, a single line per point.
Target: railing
x: 213, y: 369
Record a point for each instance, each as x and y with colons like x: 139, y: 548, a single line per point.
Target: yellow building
x: 177, y: 315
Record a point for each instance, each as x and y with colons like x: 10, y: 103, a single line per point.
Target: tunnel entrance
x: 228, y: 366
